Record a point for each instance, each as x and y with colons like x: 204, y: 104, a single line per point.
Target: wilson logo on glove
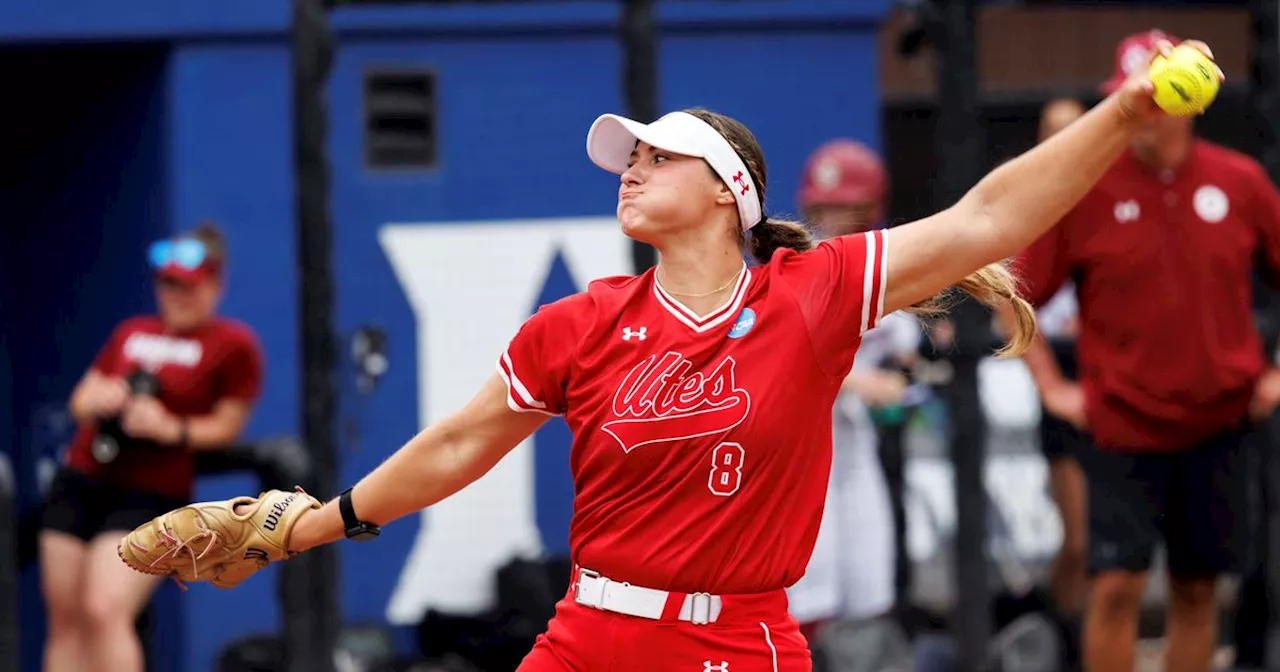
x: 277, y: 510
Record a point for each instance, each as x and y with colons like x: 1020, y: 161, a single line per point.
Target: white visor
x: 612, y: 139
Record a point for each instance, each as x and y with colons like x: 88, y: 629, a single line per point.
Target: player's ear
x: 723, y: 195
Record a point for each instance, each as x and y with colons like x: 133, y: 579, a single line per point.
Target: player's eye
x: 657, y: 158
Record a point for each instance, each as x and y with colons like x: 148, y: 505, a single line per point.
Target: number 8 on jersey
x: 726, y: 469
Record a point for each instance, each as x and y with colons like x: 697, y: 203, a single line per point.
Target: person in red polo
x: 1171, y: 370
x: 162, y: 387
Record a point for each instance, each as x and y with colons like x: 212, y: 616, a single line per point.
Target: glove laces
x: 174, y: 546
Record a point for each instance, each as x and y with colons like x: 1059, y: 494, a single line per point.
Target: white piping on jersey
x: 508, y: 373
x: 769, y: 640
x: 884, y: 276
x: 701, y: 323
x: 870, y: 282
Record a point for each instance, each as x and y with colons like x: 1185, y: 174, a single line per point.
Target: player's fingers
x: 1136, y: 97
x: 1162, y: 48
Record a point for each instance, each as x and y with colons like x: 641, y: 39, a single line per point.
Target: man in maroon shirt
x: 1171, y: 370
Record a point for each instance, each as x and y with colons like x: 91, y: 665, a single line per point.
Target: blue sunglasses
x: 186, y: 253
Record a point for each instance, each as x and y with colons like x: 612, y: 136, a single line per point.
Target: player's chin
x: 635, y: 225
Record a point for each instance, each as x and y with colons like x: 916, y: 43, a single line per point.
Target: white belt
x: 598, y: 592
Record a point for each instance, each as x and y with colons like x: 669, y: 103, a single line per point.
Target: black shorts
x: 1196, y: 502
x: 1060, y: 439
x: 85, y: 507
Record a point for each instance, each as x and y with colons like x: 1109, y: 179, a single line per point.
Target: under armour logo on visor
x: 628, y: 333
x: 745, y: 187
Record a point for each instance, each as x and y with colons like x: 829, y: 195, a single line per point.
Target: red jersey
x: 702, y: 444
x: 1163, y: 266
x: 196, y: 369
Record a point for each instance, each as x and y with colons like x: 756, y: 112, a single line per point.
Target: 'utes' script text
x: 663, y: 399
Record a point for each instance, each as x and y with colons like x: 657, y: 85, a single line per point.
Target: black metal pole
x: 961, y: 155
x: 309, y: 583
x: 640, y: 87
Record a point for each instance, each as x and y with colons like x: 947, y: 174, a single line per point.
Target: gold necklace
x: 717, y: 290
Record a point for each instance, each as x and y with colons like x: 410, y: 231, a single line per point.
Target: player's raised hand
x: 1136, y: 95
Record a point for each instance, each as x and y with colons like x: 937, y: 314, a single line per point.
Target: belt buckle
x: 597, y: 604
x: 700, y: 608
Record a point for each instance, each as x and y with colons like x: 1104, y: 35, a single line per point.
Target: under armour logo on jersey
x: 708, y: 667
x: 639, y: 334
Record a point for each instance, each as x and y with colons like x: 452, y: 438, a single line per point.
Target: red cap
x: 1133, y: 54
x: 189, y: 276
x: 843, y: 172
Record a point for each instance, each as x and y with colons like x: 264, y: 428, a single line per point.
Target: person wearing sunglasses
x: 162, y: 387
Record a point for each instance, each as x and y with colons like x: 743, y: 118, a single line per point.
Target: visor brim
x: 613, y: 138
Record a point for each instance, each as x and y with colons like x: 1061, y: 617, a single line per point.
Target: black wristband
x: 355, y: 529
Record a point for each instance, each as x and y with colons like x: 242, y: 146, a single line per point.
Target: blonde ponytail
x: 993, y: 285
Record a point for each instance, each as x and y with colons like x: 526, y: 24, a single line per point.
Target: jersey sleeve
x: 1265, y: 213
x: 839, y: 286
x: 1044, y: 266
x: 240, y: 372
x: 535, y: 366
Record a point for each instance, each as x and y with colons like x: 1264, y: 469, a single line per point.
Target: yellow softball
x: 1186, y: 81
